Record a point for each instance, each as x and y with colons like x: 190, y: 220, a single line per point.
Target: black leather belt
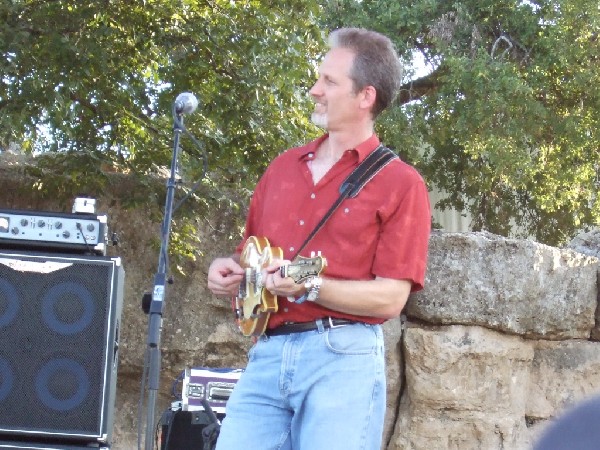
x: 298, y: 327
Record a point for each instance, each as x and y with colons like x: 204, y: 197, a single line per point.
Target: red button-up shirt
x: 382, y: 232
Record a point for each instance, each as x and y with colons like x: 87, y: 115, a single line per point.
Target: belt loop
x: 320, y: 326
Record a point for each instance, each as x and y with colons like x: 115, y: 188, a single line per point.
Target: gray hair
x: 376, y: 63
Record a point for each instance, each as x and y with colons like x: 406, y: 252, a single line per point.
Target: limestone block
x: 562, y: 373
x: 394, y: 372
x: 465, y: 389
x: 516, y: 286
x: 417, y: 430
x: 589, y: 244
x: 467, y: 368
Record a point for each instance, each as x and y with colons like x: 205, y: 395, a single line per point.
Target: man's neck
x: 340, y: 141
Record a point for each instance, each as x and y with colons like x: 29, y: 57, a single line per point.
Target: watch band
x: 313, y: 288
x: 313, y: 292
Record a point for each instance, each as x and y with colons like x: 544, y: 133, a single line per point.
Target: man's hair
x: 376, y: 63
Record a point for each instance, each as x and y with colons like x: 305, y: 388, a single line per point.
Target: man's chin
x: 319, y: 120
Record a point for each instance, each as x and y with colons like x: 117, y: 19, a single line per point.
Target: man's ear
x: 369, y: 94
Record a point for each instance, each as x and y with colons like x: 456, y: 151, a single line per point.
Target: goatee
x: 319, y: 120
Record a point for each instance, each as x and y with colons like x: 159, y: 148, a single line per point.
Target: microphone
x: 186, y: 103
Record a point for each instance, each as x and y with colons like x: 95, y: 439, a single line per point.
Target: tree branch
x: 416, y: 89
x: 83, y: 102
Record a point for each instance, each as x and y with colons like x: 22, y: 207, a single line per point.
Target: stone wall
x: 499, y: 342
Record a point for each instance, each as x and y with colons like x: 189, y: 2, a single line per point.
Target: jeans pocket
x: 358, y: 339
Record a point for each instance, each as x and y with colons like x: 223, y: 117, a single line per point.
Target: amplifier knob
x: 58, y: 225
x: 24, y: 222
x: 90, y: 227
x: 41, y: 223
x: 66, y: 234
x: 14, y: 230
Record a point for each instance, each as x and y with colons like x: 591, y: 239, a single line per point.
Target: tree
x: 89, y: 86
x: 99, y: 78
x: 507, y: 122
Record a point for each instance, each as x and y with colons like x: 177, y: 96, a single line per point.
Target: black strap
x: 210, y: 432
x: 353, y: 184
x: 366, y: 170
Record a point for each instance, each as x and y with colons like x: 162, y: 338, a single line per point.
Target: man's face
x: 337, y: 104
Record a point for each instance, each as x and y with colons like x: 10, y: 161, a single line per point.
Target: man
x: 316, y: 379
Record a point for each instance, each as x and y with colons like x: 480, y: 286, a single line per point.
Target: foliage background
x: 505, y: 122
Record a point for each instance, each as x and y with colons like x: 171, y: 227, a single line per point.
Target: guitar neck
x: 303, y: 268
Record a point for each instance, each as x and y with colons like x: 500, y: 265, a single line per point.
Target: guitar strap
x: 352, y: 185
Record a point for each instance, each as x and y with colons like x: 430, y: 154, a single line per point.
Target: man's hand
x: 224, y: 277
x: 278, y: 285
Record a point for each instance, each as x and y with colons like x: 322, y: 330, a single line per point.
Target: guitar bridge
x: 257, y: 281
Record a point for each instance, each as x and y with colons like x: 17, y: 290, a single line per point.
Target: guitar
x: 254, y: 304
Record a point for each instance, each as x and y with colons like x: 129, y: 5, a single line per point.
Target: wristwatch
x: 313, y: 289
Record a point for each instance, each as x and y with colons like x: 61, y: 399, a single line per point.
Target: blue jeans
x: 315, y: 390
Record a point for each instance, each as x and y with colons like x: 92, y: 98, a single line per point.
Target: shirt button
x: 292, y: 249
x: 301, y: 222
x: 313, y: 195
x: 347, y: 210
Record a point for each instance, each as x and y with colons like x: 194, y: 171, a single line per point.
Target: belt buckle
x: 331, y: 325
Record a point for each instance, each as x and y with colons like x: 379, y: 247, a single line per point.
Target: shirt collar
x: 362, y: 149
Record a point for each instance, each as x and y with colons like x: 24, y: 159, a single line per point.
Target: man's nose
x: 316, y: 90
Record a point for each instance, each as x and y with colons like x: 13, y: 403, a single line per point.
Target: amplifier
x: 214, y: 385
x: 78, y: 233
x: 17, y: 445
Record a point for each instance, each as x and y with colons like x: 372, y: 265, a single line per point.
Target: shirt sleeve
x: 403, y: 243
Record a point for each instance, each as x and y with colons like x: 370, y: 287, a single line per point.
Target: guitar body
x: 254, y: 304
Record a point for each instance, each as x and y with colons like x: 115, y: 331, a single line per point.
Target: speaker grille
x: 58, y: 322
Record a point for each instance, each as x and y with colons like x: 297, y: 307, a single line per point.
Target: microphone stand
x: 158, y: 295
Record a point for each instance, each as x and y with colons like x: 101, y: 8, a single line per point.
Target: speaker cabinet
x: 59, y: 333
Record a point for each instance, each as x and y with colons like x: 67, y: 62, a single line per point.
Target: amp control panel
x: 81, y: 232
